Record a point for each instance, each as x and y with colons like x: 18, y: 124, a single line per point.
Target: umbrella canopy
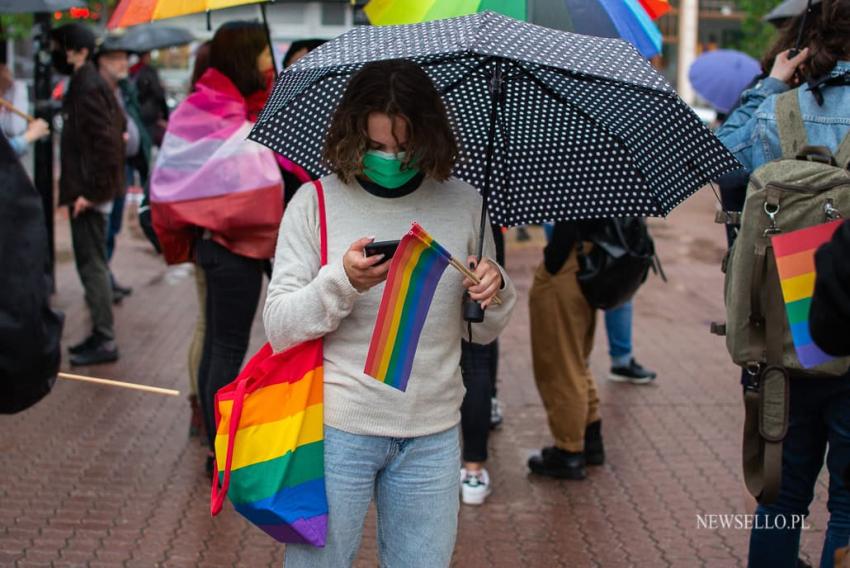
x: 721, y: 76
x: 33, y: 6
x: 616, y: 18
x: 656, y: 8
x: 140, y: 39
x: 584, y: 126
x: 394, y: 12
x: 627, y: 19
x: 787, y: 10
x: 134, y: 12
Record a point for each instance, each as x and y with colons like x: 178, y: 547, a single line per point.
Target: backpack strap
x: 842, y: 155
x: 789, y: 121
x: 766, y: 401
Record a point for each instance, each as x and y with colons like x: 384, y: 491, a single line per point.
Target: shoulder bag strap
x: 842, y: 155
x: 323, y: 222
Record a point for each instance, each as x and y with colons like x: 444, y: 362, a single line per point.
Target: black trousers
x: 233, y: 292
x: 479, y: 364
x: 88, y: 237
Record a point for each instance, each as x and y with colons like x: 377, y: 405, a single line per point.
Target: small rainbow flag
x: 415, y: 270
x: 795, y: 262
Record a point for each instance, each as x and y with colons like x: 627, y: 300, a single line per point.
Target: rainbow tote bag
x: 269, y: 444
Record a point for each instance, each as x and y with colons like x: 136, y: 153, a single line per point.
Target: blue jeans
x: 416, y: 486
x: 618, y: 325
x: 819, y: 418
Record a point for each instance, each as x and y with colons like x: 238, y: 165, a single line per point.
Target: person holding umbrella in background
x: 93, y: 155
x: 112, y: 61
x: 206, y: 136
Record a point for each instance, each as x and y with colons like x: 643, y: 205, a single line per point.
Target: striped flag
x: 415, y: 270
x: 795, y: 262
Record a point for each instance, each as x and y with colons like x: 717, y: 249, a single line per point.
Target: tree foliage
x: 757, y: 35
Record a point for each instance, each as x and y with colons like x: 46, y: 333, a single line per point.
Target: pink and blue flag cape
x: 208, y: 175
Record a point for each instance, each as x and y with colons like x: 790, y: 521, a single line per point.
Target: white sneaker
x: 474, y: 486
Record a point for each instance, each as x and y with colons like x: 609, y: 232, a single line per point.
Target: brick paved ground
x: 102, y: 477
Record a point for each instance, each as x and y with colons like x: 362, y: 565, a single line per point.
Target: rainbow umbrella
x: 655, y: 8
x: 134, y: 12
x: 394, y: 12
x: 630, y: 20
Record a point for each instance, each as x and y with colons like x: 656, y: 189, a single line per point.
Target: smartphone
x: 386, y: 248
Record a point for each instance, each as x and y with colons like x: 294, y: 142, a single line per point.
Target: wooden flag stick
x: 122, y: 384
x: 471, y: 275
x: 14, y: 110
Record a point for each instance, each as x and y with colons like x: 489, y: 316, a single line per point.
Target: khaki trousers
x: 562, y: 328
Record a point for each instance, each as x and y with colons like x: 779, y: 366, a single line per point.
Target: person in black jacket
x: 563, y: 324
x: 93, y: 146
x: 829, y: 318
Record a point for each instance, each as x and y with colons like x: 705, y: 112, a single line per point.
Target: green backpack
x: 807, y: 186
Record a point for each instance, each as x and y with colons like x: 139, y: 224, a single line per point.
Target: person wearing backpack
x: 772, y: 135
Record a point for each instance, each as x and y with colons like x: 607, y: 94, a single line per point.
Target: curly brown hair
x: 397, y: 88
x: 826, y: 33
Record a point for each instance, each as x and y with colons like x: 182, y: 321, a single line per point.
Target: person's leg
x: 196, y: 349
x: 496, y: 407
x: 802, y: 459
x: 561, y: 320
x: 88, y: 235
x: 837, y: 462
x: 618, y: 326
x: 116, y: 218
x: 417, y: 502
x: 475, y: 409
x: 233, y: 292
x: 351, y: 465
x: 475, y: 421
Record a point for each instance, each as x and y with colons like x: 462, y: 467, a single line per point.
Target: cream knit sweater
x: 305, y: 302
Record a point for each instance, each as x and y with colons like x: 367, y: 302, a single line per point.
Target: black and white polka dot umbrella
x: 584, y: 126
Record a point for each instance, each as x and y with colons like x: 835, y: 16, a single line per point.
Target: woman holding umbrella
x: 391, y: 151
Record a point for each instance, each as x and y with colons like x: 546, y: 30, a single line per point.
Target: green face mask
x: 385, y: 169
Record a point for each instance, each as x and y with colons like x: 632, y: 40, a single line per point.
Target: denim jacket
x: 751, y: 134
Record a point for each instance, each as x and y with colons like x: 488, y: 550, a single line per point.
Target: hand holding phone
x: 387, y: 248
x: 364, y: 271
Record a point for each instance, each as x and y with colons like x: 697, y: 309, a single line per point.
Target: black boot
x: 101, y: 351
x: 594, y: 451
x: 84, y: 345
x: 558, y: 463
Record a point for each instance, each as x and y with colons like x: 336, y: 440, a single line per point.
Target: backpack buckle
x: 772, y: 209
x: 832, y: 214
